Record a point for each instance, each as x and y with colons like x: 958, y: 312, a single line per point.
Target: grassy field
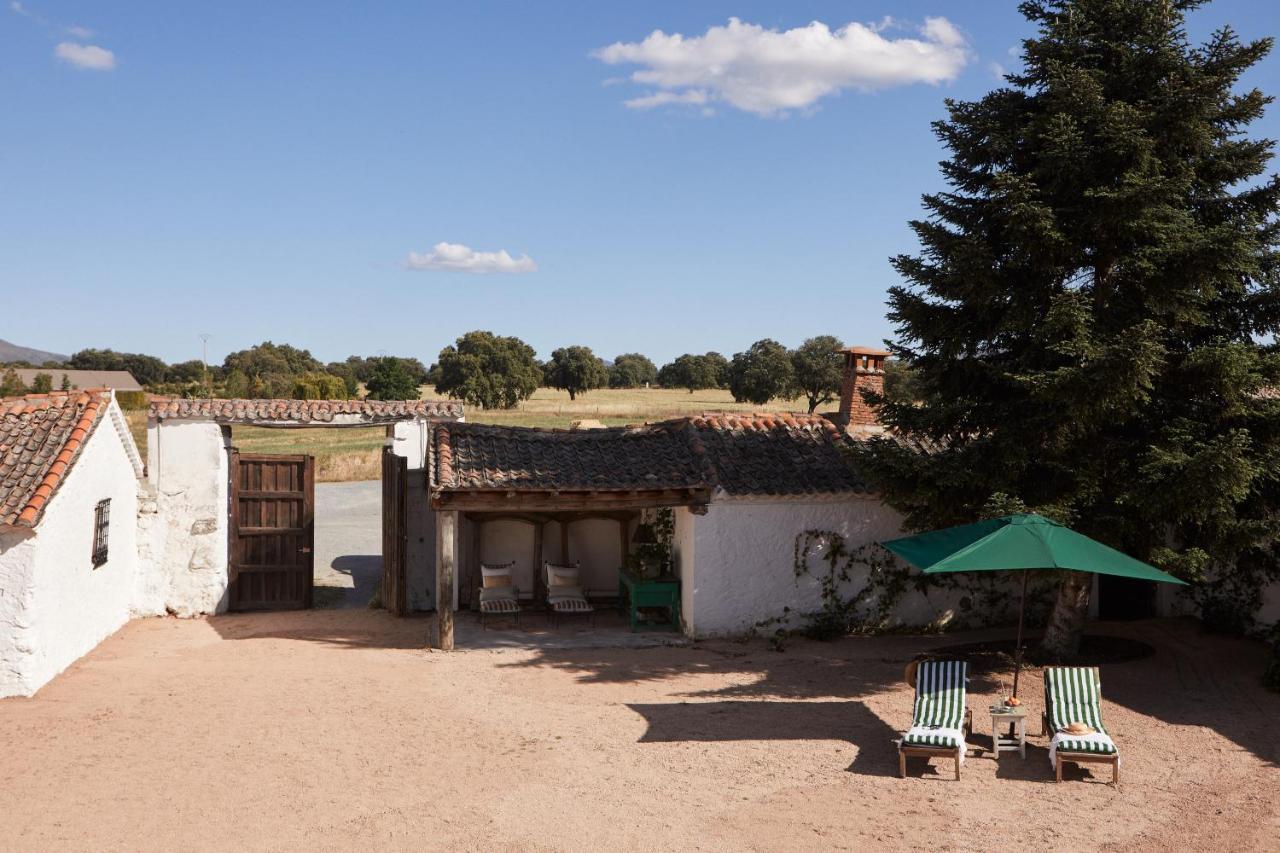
x: 615, y: 406
x: 352, y: 454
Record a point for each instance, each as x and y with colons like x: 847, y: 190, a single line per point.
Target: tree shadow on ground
x: 365, y: 571
x: 850, y: 722
x: 846, y: 669
x: 1198, y: 679
x: 1166, y: 669
x: 1193, y: 679
x: 357, y: 629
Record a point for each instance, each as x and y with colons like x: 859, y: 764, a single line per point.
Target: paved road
x: 349, y: 538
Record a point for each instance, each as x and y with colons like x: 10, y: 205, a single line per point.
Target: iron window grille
x: 101, y: 531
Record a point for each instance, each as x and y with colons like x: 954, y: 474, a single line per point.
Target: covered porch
x: 528, y: 530
x: 528, y: 497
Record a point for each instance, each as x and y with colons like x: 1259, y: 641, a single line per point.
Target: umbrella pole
x: 1022, y: 609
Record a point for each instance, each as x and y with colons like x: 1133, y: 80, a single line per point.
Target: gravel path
x: 349, y: 539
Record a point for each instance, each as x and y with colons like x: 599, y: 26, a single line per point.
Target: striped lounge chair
x: 499, y: 595
x: 941, y: 717
x: 1073, y: 694
x: 565, y: 595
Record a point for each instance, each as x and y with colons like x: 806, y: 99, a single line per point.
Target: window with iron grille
x: 101, y: 529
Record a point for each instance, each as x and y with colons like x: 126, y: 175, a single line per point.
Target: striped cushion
x: 500, y: 605
x: 1073, y: 694
x: 940, y: 703
x: 940, y: 738
x: 1099, y: 744
x: 571, y: 605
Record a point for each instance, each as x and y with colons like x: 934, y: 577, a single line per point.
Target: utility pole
x: 204, y: 362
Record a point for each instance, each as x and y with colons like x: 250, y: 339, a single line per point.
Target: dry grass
x: 614, y: 406
x: 352, y: 454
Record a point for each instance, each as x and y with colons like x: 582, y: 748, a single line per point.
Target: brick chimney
x: 863, y: 368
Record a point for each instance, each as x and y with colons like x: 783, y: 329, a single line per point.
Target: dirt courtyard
x: 336, y: 730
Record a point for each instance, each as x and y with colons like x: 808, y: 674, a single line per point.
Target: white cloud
x: 997, y: 70
x: 87, y: 56
x: 80, y: 32
x: 767, y: 72
x: 456, y: 257
x: 658, y: 99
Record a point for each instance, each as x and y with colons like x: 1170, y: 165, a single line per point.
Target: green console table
x: 634, y: 593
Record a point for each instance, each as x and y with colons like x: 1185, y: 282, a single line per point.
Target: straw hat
x: 1079, y: 728
x: 909, y: 674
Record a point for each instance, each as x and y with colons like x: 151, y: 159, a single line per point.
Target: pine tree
x: 1091, y: 322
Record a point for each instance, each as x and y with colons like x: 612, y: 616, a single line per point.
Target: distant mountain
x: 13, y: 352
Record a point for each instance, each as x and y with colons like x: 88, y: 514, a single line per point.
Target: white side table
x: 1015, y: 740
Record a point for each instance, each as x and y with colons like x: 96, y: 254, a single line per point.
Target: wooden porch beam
x: 446, y: 573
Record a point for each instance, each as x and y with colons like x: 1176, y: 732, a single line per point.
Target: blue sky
x: 278, y: 170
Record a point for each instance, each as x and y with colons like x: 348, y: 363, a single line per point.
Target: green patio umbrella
x: 1022, y: 542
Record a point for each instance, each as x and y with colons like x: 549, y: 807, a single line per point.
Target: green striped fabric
x: 940, y: 703
x: 1073, y: 694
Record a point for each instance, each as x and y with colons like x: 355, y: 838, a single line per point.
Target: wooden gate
x: 395, y: 532
x: 272, y: 531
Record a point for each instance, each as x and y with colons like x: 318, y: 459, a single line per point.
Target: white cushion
x: 497, y: 593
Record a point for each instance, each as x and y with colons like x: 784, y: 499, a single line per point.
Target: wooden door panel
x: 395, y: 532
x: 272, y: 531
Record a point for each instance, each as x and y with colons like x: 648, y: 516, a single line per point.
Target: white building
x: 69, y: 475
x: 745, y: 490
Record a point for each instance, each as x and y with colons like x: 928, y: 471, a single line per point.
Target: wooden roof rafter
x: 528, y: 502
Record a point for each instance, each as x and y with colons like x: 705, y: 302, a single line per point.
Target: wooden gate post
x: 446, y: 573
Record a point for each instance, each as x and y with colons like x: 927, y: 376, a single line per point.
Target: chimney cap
x: 871, y: 351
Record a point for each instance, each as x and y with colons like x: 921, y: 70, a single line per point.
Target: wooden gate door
x: 273, y: 502
x: 395, y: 532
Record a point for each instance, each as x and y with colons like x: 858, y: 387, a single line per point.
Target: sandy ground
x: 336, y: 730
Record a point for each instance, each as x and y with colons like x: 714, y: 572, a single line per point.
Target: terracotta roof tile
x: 40, y: 439
x: 483, y: 457
x: 302, y: 411
x: 752, y: 454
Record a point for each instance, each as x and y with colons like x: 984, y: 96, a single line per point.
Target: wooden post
x: 446, y: 570
x: 538, y: 527
x: 564, y: 541
x: 1017, y: 652
x: 473, y: 573
x: 624, y: 525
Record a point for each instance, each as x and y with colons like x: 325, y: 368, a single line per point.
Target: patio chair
x: 565, y: 595
x: 1072, y: 705
x: 941, y: 717
x: 499, y: 595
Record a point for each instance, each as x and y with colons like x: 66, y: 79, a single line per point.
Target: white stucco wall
x: 54, y: 605
x: 187, y: 571
x: 184, y: 518
x: 683, y: 551
x: 593, y: 542
x: 17, y: 565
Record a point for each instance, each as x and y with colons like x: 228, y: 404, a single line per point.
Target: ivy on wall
x: 981, y: 598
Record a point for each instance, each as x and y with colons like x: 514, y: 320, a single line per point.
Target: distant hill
x: 13, y: 352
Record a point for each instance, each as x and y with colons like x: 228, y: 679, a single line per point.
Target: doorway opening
x: 306, y: 516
